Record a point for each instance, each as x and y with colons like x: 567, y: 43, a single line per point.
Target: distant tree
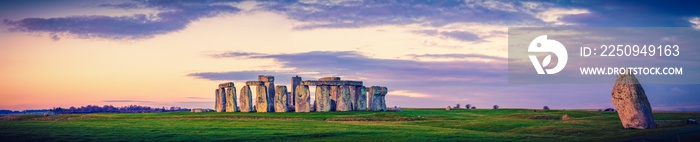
x: 473, y: 107
x: 495, y: 106
x: 457, y: 106
x: 467, y: 106
x: 545, y: 108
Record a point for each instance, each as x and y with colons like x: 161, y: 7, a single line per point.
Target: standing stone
x: 353, y: 97
x: 344, y: 103
x: 296, y: 81
x: 302, y: 99
x: 383, y: 98
x: 231, y: 99
x: 261, y: 100
x: 323, y: 100
x: 281, y: 98
x: 375, y: 95
x: 219, y: 104
x: 269, y: 82
x: 246, y: 99
x: 631, y: 103
x: 361, y: 98
x: 335, y: 91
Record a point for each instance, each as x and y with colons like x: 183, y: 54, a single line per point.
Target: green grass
x: 409, y: 125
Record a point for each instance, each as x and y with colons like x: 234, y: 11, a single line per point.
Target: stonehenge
x: 332, y: 94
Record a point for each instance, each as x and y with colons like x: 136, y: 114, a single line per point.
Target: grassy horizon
x: 423, y: 124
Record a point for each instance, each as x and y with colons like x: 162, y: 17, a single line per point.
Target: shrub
x: 545, y: 108
x: 495, y: 106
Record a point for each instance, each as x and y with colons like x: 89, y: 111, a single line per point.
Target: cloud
x: 172, y: 16
x: 555, y: 15
x: 198, y: 98
x: 354, y: 14
x: 407, y: 93
x: 458, y: 35
x: 644, y: 13
x: 354, y: 64
x: 126, y: 101
x: 696, y: 22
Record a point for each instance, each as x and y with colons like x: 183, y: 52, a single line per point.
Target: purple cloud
x: 458, y: 35
x: 353, y: 14
x: 173, y: 16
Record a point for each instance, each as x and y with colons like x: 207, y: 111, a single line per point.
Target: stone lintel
x: 332, y: 83
x: 266, y: 78
x: 225, y: 85
x: 333, y: 78
x: 255, y: 83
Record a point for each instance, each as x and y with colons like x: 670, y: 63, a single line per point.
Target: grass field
x: 409, y: 125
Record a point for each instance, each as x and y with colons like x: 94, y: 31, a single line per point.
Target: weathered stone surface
x: 246, y: 99
x: 375, y: 95
x: 231, y: 99
x: 323, y: 100
x: 226, y: 85
x: 376, y: 98
x: 362, y: 98
x: 353, y: 97
x: 333, y: 78
x: 631, y: 103
x: 254, y: 83
x: 281, y: 98
x: 302, y: 99
x: 269, y: 82
x: 335, y: 90
x: 261, y: 100
x: 331, y: 83
x: 343, y: 100
x: 296, y: 81
x: 383, y: 98
x: 220, y: 105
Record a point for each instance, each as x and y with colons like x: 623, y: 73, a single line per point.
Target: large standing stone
x: 281, y: 98
x: 376, y: 98
x: 261, y: 100
x: 220, y: 102
x: 353, y: 97
x: 334, y: 91
x: 269, y: 82
x: 631, y: 103
x: 361, y: 98
x: 231, y: 99
x: 302, y: 98
x: 323, y: 100
x: 383, y: 98
x: 296, y: 81
x: 246, y: 99
x: 344, y: 103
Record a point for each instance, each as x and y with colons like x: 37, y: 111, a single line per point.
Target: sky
x: 427, y: 53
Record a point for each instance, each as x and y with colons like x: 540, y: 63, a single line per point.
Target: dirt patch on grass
x: 534, y: 116
x: 375, y: 117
